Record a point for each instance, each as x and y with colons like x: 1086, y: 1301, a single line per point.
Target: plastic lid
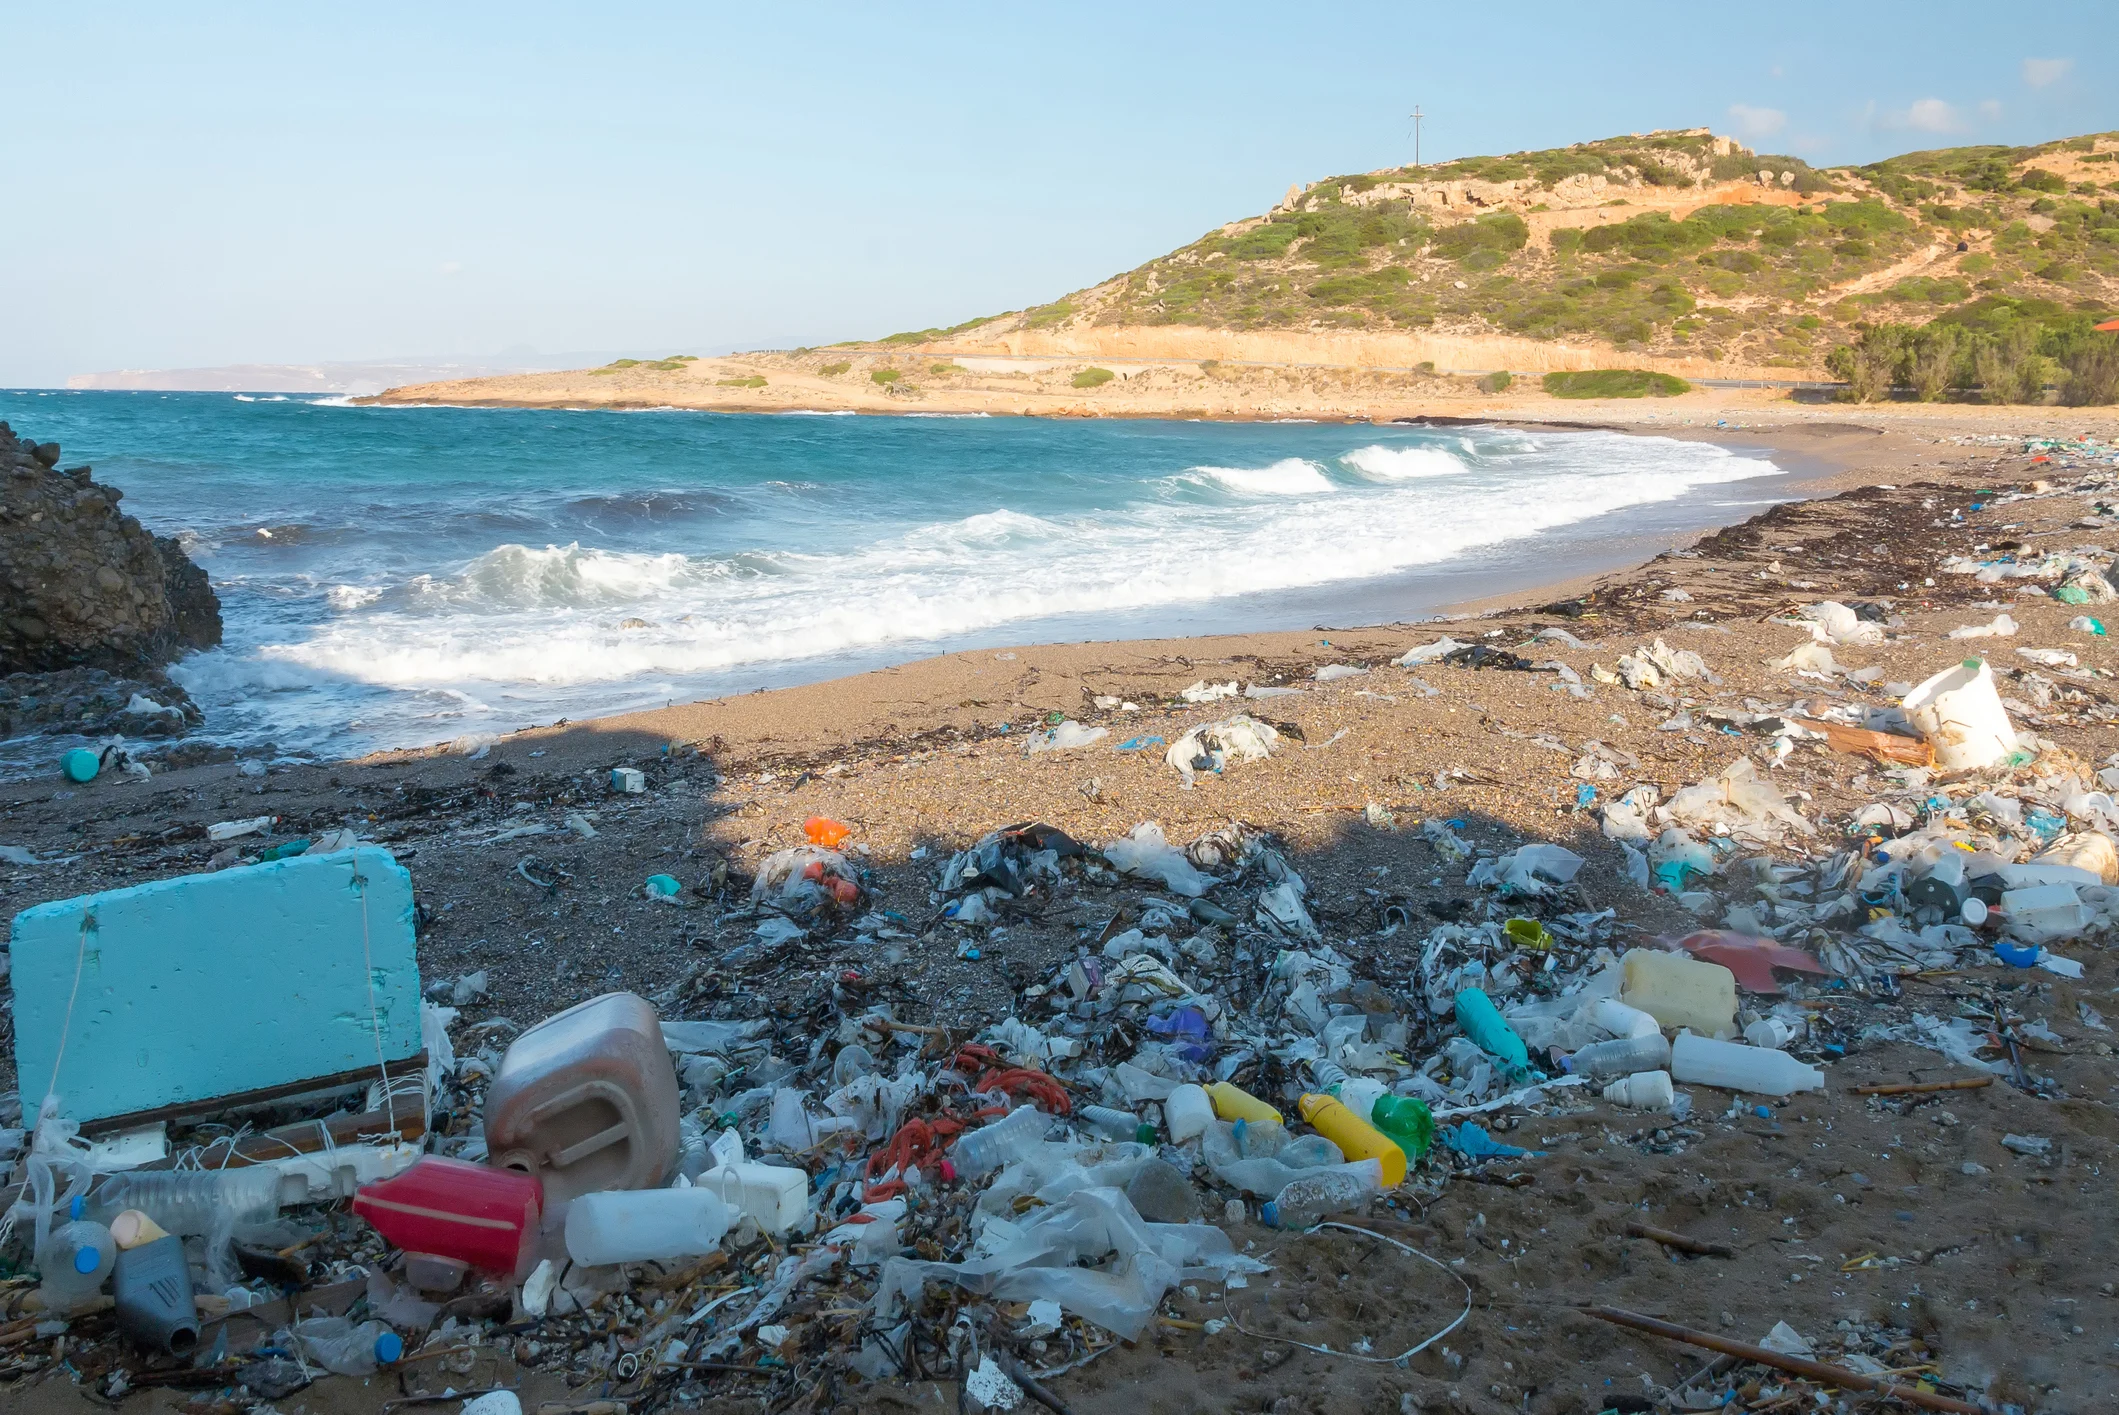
x: 388, y: 1347
x: 77, y: 1206
x: 87, y: 1260
x: 1270, y: 1212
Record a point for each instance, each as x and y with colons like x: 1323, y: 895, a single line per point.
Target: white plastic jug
x: 1703, y: 1061
x: 1189, y: 1111
x: 776, y: 1197
x: 1680, y: 992
x: 2044, y: 913
x: 1644, y: 1090
x: 1960, y: 713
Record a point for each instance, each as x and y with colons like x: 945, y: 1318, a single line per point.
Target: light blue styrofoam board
x: 214, y: 984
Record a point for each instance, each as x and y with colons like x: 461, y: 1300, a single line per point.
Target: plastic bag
x: 1147, y: 854
x: 805, y: 880
x: 1212, y: 745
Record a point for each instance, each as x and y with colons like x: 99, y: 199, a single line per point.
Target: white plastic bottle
x: 1188, y: 1111
x: 74, y: 1263
x: 1014, y: 1136
x: 1702, y: 1061
x: 1617, y: 1018
x: 1644, y: 1090
x: 639, y: 1225
x: 1622, y: 1056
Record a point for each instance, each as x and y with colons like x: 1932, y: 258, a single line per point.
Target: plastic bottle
x: 190, y: 1203
x: 1360, y: 1094
x: 1484, y: 1024
x: 1188, y: 1112
x: 1233, y: 1102
x: 1680, y: 992
x: 1613, y: 1016
x: 1115, y: 1124
x: 1703, y: 1061
x: 1329, y: 1075
x: 74, y: 1263
x: 150, y: 1284
x: 642, y: 1225
x: 1314, y: 1196
x: 1014, y: 1136
x: 1600, y: 1061
x: 1644, y: 1090
x: 1407, y: 1120
x: 1355, y: 1137
x: 344, y: 1349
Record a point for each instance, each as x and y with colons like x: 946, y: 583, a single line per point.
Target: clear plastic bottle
x: 1315, y: 1196
x: 1115, y: 1124
x: 344, y: 1349
x: 1329, y: 1075
x: 74, y: 1263
x: 1014, y: 1136
x: 191, y: 1203
x: 1601, y: 1061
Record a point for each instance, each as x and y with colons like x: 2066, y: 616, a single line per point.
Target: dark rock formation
x: 83, y: 585
x: 94, y: 703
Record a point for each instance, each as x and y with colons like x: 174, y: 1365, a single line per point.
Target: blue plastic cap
x: 78, y: 1206
x: 87, y: 1260
x: 388, y: 1347
x: 1270, y: 1212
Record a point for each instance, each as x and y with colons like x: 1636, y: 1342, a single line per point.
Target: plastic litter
x: 1211, y: 746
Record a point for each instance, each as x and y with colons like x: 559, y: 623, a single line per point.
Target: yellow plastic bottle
x: 1355, y: 1137
x: 1235, y: 1103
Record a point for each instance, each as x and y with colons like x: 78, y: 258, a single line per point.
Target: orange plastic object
x: 824, y: 831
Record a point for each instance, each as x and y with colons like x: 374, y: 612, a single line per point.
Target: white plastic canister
x: 1960, y: 713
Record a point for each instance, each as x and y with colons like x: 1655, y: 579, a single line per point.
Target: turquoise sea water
x: 400, y: 576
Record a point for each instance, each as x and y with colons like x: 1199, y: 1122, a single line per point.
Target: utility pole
x: 1417, y: 116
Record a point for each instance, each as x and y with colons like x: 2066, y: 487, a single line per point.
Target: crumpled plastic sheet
x: 1429, y: 653
x: 1958, y: 1039
x: 1065, y: 736
x: 780, y: 882
x: 1143, y: 1261
x: 1211, y: 746
x: 1148, y: 855
x: 1831, y: 622
x: 790, y: 1274
x: 1742, y: 801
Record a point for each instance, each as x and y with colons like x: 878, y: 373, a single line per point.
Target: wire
x: 375, y: 1021
x: 1402, y: 1357
x: 88, y: 921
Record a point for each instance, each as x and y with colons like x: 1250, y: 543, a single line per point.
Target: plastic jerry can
x: 1680, y: 992
x: 587, y: 1101
x: 471, y: 1212
x: 151, y: 1286
x: 775, y: 1197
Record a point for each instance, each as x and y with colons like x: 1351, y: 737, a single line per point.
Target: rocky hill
x: 1673, y: 246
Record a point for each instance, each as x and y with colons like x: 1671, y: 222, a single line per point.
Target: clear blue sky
x: 272, y: 183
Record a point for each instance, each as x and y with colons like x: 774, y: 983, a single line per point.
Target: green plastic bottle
x: 1408, y: 1121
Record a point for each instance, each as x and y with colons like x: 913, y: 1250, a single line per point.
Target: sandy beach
x: 924, y: 758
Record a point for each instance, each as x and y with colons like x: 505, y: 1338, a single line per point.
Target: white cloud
x: 2040, y: 73
x: 1925, y: 115
x: 1990, y: 109
x: 1757, y: 122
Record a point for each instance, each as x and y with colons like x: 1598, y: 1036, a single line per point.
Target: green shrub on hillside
x: 1092, y: 377
x: 1496, y: 382
x: 835, y: 368
x: 943, y: 370
x: 754, y: 380
x: 1498, y: 231
x: 884, y: 375
x: 1615, y: 383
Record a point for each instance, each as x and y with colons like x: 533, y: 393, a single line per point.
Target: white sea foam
x: 1380, y: 463
x: 1290, y: 476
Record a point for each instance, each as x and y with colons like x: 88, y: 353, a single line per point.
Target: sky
x: 192, y: 186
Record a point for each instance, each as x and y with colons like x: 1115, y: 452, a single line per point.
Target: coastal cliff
x: 92, y: 605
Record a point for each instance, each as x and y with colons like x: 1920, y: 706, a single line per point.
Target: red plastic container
x: 471, y: 1212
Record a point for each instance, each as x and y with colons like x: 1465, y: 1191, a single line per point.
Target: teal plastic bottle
x: 1490, y: 1032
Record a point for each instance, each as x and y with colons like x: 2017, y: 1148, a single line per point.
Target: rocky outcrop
x: 83, y: 585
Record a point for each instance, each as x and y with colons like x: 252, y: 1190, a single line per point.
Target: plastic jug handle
x: 580, y: 1150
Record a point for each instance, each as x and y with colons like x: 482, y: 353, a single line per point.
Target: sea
x: 404, y: 576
